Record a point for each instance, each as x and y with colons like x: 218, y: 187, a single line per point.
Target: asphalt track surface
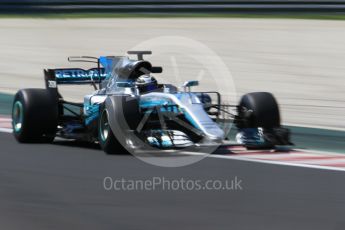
x: 60, y: 186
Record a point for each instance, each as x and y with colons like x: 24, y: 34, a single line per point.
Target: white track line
x: 276, y: 156
x: 271, y: 162
x: 5, y: 130
x: 319, y: 161
x: 314, y: 127
x: 281, y: 163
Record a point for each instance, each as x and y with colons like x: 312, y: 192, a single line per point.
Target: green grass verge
x: 6, y: 101
x: 318, y: 139
x: 176, y: 15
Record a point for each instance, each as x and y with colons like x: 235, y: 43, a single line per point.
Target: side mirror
x: 189, y: 84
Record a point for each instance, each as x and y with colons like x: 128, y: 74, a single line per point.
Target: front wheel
x: 259, y: 109
x: 106, y: 137
x: 259, y: 121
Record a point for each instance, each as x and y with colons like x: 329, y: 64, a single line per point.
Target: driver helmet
x: 146, y: 83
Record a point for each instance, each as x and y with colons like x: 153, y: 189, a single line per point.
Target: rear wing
x: 93, y: 76
x: 75, y: 76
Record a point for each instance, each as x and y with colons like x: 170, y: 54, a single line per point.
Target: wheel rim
x: 17, y: 116
x: 104, y: 127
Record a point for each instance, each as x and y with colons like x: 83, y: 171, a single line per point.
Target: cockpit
x: 122, y: 72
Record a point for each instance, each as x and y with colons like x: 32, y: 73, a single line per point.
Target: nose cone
x: 213, y: 131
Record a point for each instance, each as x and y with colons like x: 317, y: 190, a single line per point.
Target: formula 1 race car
x: 130, y: 110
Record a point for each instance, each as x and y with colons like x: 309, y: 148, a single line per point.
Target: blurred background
x: 293, y: 48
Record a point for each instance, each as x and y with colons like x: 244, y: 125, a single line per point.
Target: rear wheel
x: 34, y: 116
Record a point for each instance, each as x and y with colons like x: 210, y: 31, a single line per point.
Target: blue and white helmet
x: 146, y: 83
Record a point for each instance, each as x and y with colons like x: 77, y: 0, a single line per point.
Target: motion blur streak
x: 301, y: 61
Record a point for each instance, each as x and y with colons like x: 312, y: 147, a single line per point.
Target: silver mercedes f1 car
x: 129, y: 109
